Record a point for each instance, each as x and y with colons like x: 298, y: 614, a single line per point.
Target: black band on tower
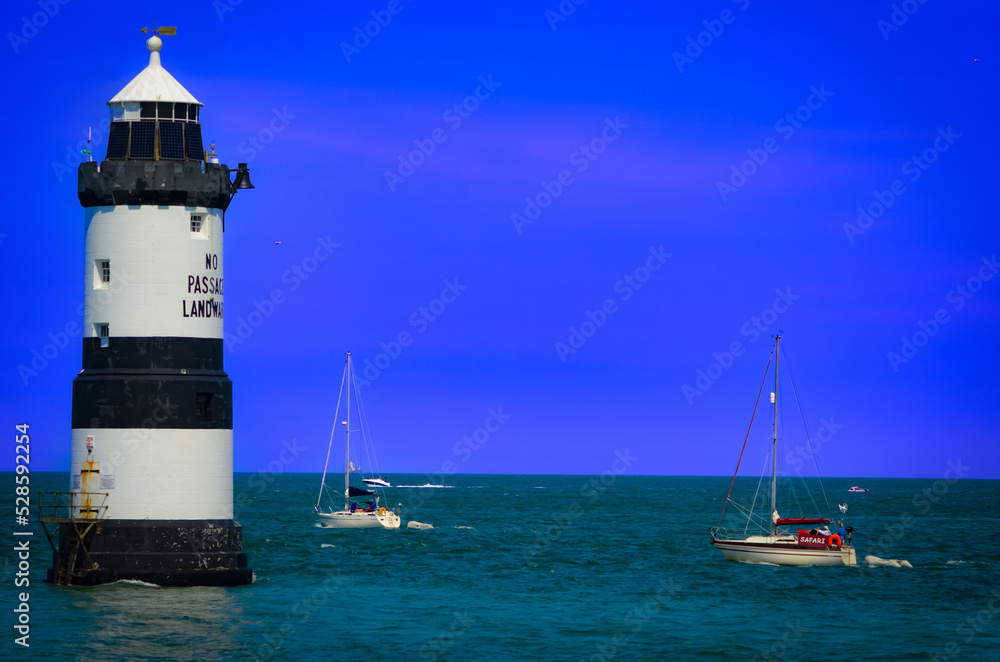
x: 162, y: 552
x: 153, y: 400
x: 147, y: 182
x: 159, y: 353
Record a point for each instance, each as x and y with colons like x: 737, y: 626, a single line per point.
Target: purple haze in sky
x: 731, y: 145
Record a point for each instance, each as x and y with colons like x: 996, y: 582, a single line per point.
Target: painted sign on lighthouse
x: 152, y: 397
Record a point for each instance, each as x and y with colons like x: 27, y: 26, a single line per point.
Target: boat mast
x: 774, y: 447
x: 347, y: 444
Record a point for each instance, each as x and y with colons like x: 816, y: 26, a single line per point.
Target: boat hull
x: 783, y: 552
x: 345, y: 519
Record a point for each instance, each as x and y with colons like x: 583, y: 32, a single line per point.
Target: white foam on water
x: 876, y: 562
x: 137, y: 582
x: 464, y: 527
x: 428, y: 485
x: 326, y: 545
x: 418, y: 525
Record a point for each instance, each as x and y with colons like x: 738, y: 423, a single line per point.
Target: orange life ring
x: 835, y: 540
x: 381, y: 511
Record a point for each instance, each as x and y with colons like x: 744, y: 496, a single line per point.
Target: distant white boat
x: 355, y: 514
x: 855, y: 488
x: 804, y: 547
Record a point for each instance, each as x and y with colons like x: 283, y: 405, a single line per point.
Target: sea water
x: 552, y: 568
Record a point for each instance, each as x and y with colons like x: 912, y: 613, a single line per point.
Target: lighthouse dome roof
x: 154, y: 83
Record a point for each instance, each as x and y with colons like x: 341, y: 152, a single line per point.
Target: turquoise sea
x: 551, y: 568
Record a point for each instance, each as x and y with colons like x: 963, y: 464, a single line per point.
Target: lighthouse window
x: 195, y: 148
x: 196, y: 222
x: 143, y: 135
x: 193, y: 113
x: 117, y: 140
x: 165, y: 110
x: 147, y: 110
x: 103, y: 332
x: 203, y: 407
x: 102, y: 274
x: 171, y: 140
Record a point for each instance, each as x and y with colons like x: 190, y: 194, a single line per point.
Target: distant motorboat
x: 855, y: 488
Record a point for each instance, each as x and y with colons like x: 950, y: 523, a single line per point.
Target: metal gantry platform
x: 79, y: 515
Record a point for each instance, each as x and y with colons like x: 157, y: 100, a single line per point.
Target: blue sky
x: 729, y: 145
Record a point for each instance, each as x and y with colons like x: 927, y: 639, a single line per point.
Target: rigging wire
x: 726, y: 502
x: 336, y: 416
x: 366, y: 435
x: 809, y: 437
x: 757, y: 492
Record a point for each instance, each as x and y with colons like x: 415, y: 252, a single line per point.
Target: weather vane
x: 171, y: 30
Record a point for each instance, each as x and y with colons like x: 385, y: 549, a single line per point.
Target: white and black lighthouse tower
x: 152, y: 407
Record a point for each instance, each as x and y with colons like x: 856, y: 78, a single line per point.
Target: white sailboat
x: 775, y: 543
x: 356, y: 514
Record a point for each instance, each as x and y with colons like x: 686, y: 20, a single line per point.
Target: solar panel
x: 143, y: 135
x: 171, y: 140
x: 196, y: 150
x: 117, y: 140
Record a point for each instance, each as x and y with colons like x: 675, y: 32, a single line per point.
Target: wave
x: 137, y: 582
x: 427, y: 485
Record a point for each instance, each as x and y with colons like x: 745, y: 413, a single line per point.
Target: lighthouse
x: 152, y: 420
